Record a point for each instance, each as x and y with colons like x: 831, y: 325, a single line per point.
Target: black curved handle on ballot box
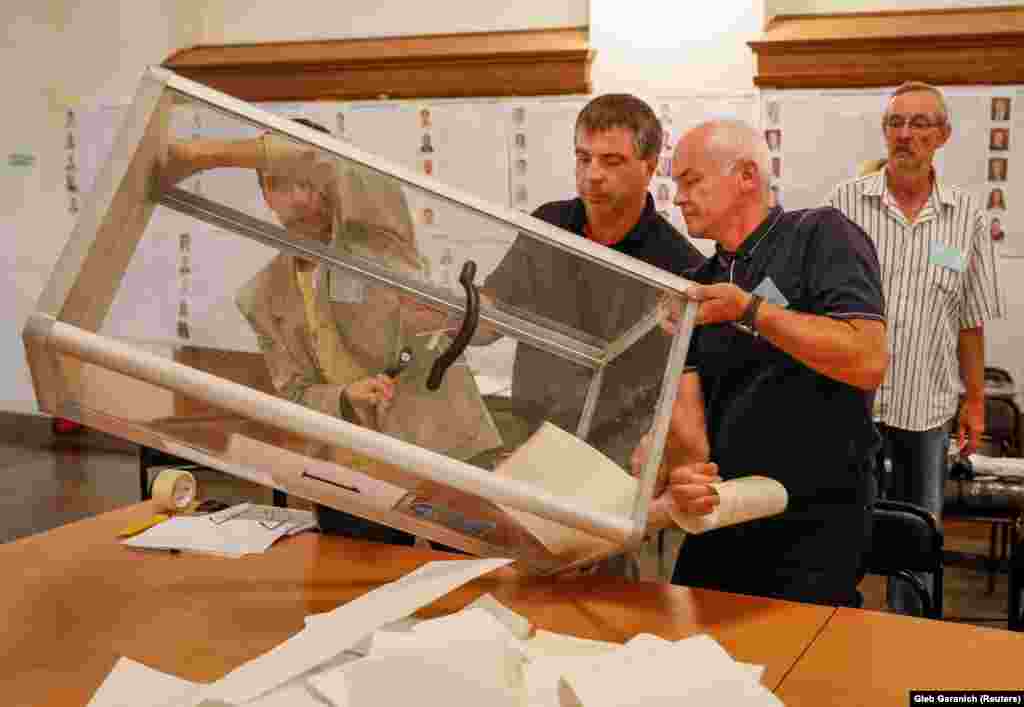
x: 466, y: 331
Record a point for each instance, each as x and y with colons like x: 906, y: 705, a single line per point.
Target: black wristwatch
x: 749, y: 315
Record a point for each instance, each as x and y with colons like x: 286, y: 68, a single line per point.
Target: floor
x: 47, y: 481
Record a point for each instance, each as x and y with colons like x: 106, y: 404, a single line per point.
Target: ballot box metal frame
x: 60, y: 336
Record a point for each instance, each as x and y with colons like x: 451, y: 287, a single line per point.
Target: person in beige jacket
x: 327, y: 336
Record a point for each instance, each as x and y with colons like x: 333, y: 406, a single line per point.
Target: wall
x: 238, y: 21
x: 87, y: 53
x: 57, y: 54
x: 659, y: 48
x: 66, y: 52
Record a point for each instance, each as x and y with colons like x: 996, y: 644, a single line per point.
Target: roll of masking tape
x: 174, y: 489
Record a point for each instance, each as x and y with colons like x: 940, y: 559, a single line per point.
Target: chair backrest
x: 1003, y: 425
x: 993, y: 374
x: 904, y: 536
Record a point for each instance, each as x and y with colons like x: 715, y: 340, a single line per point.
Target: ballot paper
x: 281, y: 669
x: 232, y: 538
x: 128, y: 680
x: 469, y: 657
x: 519, y: 626
x: 584, y: 473
x: 559, y: 670
x: 424, y: 681
x: 739, y: 500
x: 651, y: 672
x: 338, y: 630
x: 271, y: 517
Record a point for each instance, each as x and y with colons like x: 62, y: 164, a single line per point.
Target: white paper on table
x: 476, y: 637
x: 485, y: 661
x: 295, y: 694
x: 233, y: 538
x: 546, y: 644
x: 740, y: 500
x: 518, y: 625
x: 551, y: 655
x: 132, y: 684
x: 338, y: 630
x: 420, y: 680
x: 297, y: 520
x: 649, y: 672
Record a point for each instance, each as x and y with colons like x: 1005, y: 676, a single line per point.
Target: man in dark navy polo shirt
x: 618, y: 141
x: 789, y: 347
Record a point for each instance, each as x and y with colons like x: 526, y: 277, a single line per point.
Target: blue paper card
x: 946, y: 256
x: 771, y: 293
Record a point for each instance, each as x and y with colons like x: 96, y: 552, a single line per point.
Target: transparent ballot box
x: 248, y: 292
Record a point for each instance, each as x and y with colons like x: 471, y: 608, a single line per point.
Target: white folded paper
x: 740, y: 500
x: 650, y: 671
x: 330, y: 635
x: 481, y: 663
x: 128, y: 680
x: 519, y: 626
x: 233, y: 538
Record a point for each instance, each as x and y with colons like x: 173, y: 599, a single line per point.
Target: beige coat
x: 314, y: 348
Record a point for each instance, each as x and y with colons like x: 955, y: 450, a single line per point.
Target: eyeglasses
x: 917, y: 123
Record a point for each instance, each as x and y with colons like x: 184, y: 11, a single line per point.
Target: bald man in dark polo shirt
x: 789, y: 348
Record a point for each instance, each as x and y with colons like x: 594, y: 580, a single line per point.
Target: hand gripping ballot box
x: 246, y: 291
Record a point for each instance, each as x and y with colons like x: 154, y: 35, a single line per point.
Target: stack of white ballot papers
x: 370, y: 652
x: 240, y: 530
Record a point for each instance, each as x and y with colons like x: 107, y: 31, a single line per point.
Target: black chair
x: 1002, y: 427
x: 906, y: 538
x: 994, y: 374
x: 1016, y: 613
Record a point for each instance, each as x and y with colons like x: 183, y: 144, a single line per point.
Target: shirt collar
x: 647, y: 221
x: 751, y: 242
x: 875, y: 185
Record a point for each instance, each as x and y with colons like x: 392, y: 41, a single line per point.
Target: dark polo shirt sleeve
x: 842, y: 264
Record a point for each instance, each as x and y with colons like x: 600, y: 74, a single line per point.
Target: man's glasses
x: 918, y: 123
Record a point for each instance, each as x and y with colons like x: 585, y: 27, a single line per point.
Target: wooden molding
x: 529, y: 62
x: 948, y: 47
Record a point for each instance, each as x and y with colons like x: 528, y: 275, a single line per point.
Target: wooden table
x: 872, y: 658
x: 73, y: 600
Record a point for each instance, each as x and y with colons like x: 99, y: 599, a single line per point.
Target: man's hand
x: 723, y: 302
x: 970, y: 426
x: 690, y: 487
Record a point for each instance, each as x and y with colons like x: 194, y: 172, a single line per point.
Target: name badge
x: 768, y: 291
x: 346, y: 288
x: 946, y: 256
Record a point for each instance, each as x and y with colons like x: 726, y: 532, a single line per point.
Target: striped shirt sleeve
x: 983, y: 297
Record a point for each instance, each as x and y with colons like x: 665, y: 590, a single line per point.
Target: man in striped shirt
x: 939, y: 271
